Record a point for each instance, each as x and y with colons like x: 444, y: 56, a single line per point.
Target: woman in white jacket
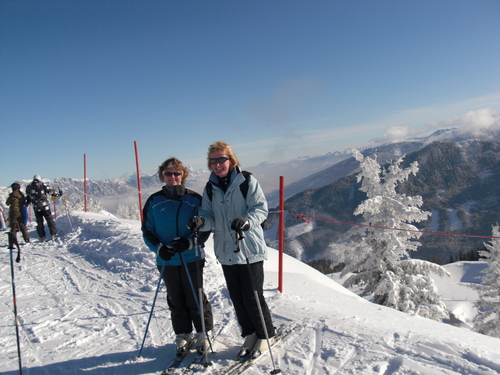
x: 228, y: 208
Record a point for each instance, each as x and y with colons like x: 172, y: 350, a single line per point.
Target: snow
x: 83, y: 304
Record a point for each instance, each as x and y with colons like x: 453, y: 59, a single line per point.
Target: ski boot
x: 202, y: 342
x: 261, y: 346
x: 183, y: 342
x: 247, y: 346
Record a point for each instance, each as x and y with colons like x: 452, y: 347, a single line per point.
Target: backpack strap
x: 208, y: 189
x: 244, y: 185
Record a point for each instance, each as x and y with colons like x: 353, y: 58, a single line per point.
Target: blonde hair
x: 219, y: 146
x: 176, y: 163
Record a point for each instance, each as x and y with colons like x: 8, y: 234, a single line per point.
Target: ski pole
x: 152, y: 308
x: 200, y: 293
x: 193, y: 290
x: 240, y: 237
x: 16, y: 320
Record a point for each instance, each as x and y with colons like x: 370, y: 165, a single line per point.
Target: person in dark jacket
x: 165, y: 232
x: 16, y: 201
x: 37, y: 193
x: 228, y: 212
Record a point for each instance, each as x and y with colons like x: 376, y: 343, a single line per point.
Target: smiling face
x: 221, y: 169
x: 172, y: 176
x: 221, y: 159
x: 169, y: 168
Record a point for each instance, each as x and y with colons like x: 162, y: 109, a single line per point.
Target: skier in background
x: 16, y: 201
x: 165, y: 232
x: 25, y: 214
x: 37, y: 192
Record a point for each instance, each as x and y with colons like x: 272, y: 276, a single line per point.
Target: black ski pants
x: 241, y: 292
x: 181, y: 302
x: 47, y: 215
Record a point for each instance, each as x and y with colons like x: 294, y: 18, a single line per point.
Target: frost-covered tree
x: 123, y: 211
x: 487, y: 320
x: 377, y: 257
x: 93, y: 205
x: 127, y: 212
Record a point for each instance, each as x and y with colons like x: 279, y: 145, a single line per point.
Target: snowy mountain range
x: 326, y: 177
x: 124, y: 191
x: 83, y: 304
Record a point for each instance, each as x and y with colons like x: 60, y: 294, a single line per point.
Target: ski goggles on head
x: 220, y: 160
x: 170, y: 174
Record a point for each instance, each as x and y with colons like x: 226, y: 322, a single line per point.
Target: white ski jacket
x: 220, y: 211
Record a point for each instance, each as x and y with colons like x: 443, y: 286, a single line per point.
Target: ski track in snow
x: 83, y: 305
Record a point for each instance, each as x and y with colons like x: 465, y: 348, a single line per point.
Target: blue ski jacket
x: 220, y: 211
x: 165, y: 217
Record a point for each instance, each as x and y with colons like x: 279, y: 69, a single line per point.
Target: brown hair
x: 176, y: 163
x: 219, y: 146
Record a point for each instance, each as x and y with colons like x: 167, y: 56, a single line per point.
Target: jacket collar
x: 232, y: 175
x: 174, y: 192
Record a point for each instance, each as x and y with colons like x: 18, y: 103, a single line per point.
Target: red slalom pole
x: 138, y: 179
x: 53, y: 198
x: 281, y: 233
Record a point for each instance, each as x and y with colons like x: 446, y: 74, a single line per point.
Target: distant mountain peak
x: 300, y: 158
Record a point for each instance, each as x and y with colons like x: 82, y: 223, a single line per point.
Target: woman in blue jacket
x: 165, y: 232
x: 228, y: 209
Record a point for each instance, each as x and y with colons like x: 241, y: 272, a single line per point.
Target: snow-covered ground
x: 83, y: 305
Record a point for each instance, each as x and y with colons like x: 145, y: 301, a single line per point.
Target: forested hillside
x: 459, y: 183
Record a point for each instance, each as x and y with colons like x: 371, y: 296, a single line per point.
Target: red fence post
x: 138, y: 180
x: 53, y: 198
x: 281, y: 233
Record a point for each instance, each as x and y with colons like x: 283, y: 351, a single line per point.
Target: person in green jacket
x: 16, y: 201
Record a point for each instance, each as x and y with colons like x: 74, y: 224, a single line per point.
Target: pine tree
x: 487, y: 320
x: 379, y: 258
x: 128, y: 212
x: 93, y: 205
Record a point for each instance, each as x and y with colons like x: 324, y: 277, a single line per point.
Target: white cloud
x: 480, y: 114
x: 319, y: 136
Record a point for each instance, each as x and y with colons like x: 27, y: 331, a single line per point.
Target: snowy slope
x: 83, y: 305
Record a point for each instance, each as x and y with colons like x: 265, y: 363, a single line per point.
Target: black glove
x: 164, y: 252
x: 195, y: 223
x: 181, y: 244
x: 240, y: 224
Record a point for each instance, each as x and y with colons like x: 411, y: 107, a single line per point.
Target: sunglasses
x: 170, y: 174
x: 221, y: 160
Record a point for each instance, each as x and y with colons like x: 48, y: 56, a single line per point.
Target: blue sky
x: 275, y: 79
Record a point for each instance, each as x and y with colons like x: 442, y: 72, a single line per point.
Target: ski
x: 243, y: 364
x: 198, y: 360
x: 198, y: 364
x: 176, y: 362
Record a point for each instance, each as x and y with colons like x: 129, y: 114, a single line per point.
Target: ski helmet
x: 16, y: 186
x: 37, y: 177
